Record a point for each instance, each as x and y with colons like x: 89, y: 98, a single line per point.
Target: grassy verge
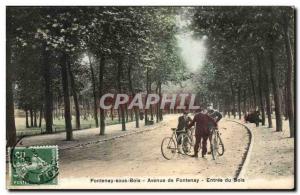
x: 58, y: 125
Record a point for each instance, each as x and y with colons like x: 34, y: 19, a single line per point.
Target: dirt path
x: 272, y: 158
x: 140, y: 155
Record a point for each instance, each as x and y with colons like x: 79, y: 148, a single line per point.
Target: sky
x: 193, y: 53
x: 193, y: 50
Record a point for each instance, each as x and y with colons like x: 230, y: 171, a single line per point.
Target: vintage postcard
x: 150, y: 97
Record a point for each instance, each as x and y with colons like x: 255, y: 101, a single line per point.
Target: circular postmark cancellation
x: 34, y: 165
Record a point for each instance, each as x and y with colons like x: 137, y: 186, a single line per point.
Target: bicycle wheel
x: 214, y: 146
x: 221, y: 148
x: 185, y: 143
x: 192, y: 139
x: 168, y: 148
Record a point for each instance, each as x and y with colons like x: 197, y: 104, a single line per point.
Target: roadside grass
x: 58, y: 125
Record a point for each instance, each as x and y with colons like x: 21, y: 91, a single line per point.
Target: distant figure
x: 253, y: 117
x: 202, y: 131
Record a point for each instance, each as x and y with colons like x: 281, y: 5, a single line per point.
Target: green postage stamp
x: 34, y: 165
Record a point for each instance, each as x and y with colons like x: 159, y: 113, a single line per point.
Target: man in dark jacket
x: 183, y: 122
x: 202, y: 131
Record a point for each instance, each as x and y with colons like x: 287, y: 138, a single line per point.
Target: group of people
x: 204, y: 121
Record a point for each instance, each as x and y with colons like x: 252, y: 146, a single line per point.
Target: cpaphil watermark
x: 144, y: 101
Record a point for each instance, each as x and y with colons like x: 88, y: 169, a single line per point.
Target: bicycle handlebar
x: 175, y: 129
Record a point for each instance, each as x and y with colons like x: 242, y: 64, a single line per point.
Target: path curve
x: 246, y: 157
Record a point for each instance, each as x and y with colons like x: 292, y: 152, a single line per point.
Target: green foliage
x: 143, y: 37
x: 236, y: 35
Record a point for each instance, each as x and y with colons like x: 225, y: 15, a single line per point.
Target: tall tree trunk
x: 126, y: 113
x: 239, y: 102
x: 101, y: 76
x: 151, y: 108
x: 157, y: 105
x: 93, y: 79
x: 112, y: 113
x: 283, y: 102
x: 250, y: 98
x: 131, y: 115
x: 41, y: 116
x: 119, y: 115
x: 244, y: 102
x: 26, y: 117
x: 67, y: 113
x: 157, y: 113
x: 10, y: 111
x: 147, y: 89
x: 228, y: 107
x: 267, y: 95
x: 119, y: 78
x: 233, y: 100
x: 48, y: 90
x: 260, y: 88
x: 275, y: 86
x: 130, y: 86
x: 289, y: 76
x: 54, y: 110
x: 252, y: 82
x: 74, y: 94
x: 57, y: 109
x: 31, y: 117
x: 151, y: 112
x: 58, y: 106
x: 35, y: 122
x: 286, y: 108
x: 137, y: 116
x: 160, y: 96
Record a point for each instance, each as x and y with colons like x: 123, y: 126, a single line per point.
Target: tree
x: 10, y: 116
x: 235, y: 34
x: 287, y: 15
x: 95, y: 97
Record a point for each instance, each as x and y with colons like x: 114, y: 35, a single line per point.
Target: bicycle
x: 191, y: 134
x: 169, y: 145
x: 216, y: 144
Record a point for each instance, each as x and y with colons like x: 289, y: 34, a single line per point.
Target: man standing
x: 202, y: 131
x: 183, y: 122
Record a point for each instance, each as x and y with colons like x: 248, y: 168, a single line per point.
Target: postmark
x: 34, y: 165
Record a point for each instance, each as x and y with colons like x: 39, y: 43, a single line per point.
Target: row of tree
x: 250, y: 62
x: 58, y: 53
